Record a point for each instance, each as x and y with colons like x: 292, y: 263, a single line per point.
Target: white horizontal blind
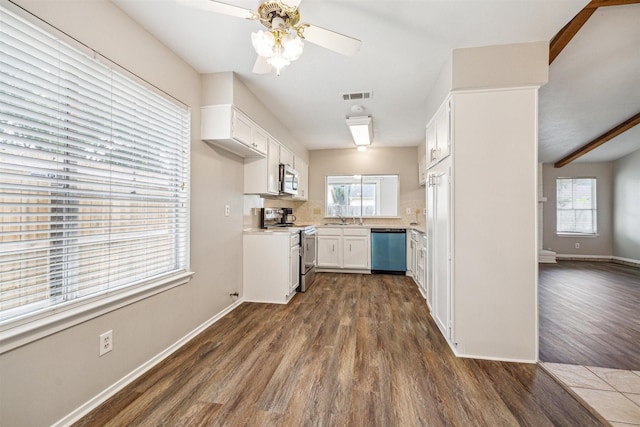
x: 94, y: 176
x: 576, y: 205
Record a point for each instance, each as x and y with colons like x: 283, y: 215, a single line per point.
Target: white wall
x: 626, y: 202
x: 600, y: 245
x: 42, y: 382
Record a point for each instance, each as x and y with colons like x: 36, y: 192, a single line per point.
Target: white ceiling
x: 404, y: 46
x: 594, y: 85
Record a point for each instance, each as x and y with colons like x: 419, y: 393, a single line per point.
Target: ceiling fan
x: 283, y: 42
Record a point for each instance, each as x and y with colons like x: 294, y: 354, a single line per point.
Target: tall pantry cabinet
x: 481, y: 204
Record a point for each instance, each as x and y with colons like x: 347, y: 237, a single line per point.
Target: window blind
x: 94, y: 171
x: 576, y: 205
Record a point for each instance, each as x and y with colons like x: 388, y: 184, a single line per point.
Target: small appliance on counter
x: 276, y: 217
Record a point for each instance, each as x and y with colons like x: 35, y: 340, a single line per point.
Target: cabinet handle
x: 349, y: 247
x: 333, y: 248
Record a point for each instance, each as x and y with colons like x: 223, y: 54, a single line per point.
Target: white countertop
x: 288, y: 230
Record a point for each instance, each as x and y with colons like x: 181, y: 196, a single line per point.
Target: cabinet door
x: 356, y: 252
x: 241, y: 128
x: 273, y: 162
x: 286, y: 156
x: 329, y: 250
x: 431, y: 142
x: 294, y: 268
x: 441, y: 251
x: 260, y: 140
x: 303, y: 179
x: 443, y: 125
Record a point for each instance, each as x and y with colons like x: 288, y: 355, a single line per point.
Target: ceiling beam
x: 621, y: 128
x: 564, y: 36
x: 605, y: 3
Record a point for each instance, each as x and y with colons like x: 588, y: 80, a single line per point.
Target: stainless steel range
x: 308, y: 258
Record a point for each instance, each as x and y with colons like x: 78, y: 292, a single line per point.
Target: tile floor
x: 613, y: 393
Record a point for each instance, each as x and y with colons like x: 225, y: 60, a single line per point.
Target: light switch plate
x: 227, y: 210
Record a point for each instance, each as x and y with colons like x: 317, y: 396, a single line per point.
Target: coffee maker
x: 288, y: 218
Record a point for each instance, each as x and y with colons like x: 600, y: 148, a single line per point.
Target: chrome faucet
x: 342, y: 219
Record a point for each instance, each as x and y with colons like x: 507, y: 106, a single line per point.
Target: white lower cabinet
x: 271, y: 266
x: 347, y: 248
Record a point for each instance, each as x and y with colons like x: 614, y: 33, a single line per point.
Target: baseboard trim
x: 627, y: 261
x: 602, y: 258
x: 97, y: 400
x: 575, y: 257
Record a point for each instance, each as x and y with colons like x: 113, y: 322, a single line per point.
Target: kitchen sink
x: 341, y: 224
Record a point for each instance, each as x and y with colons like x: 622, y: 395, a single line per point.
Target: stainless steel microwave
x: 288, y: 180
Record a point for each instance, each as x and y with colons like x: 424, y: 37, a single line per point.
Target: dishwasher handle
x: 388, y: 230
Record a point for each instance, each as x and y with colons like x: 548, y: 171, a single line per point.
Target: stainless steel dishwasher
x: 388, y: 250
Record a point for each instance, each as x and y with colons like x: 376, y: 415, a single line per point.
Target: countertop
x: 287, y: 230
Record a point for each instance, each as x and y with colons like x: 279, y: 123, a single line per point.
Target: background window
x: 576, y: 205
x: 362, y: 196
x: 94, y: 172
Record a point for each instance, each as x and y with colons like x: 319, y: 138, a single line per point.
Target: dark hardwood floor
x: 354, y: 350
x: 590, y: 314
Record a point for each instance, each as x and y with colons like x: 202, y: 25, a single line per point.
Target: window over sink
x: 356, y: 196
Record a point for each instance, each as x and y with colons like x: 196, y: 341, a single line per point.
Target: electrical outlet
x: 409, y: 211
x: 227, y: 210
x: 577, y: 245
x: 106, y: 342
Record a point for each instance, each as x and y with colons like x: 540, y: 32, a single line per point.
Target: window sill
x: 20, y: 332
x: 587, y: 235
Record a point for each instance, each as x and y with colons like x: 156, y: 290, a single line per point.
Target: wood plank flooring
x: 589, y: 314
x: 355, y: 350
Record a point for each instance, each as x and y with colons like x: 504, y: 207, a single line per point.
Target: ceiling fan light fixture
x: 263, y: 43
x: 361, y: 128
x: 292, y: 46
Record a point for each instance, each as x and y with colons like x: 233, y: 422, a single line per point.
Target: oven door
x: 309, y: 250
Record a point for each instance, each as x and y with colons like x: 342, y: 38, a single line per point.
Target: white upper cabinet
x: 303, y: 179
x: 229, y: 128
x: 261, y: 175
x: 286, y: 157
x: 439, y: 135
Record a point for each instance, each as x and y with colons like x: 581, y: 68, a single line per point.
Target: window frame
x: 362, y: 182
x: 593, y: 209
x: 27, y: 326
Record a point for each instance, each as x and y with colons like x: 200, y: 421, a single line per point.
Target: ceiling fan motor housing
x: 269, y: 10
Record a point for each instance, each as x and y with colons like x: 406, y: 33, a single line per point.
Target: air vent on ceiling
x: 357, y: 96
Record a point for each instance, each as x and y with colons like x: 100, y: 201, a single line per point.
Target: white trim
x: 499, y: 359
x: 60, y: 319
x: 110, y: 391
x: 584, y: 257
x: 635, y: 262
x: 621, y: 260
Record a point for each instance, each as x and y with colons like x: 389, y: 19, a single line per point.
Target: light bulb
x: 263, y: 42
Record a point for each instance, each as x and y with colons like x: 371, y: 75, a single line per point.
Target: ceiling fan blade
x: 344, y: 45
x: 218, y: 7
x: 261, y: 66
x: 292, y: 3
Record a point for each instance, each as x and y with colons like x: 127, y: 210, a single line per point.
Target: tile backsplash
x: 312, y: 212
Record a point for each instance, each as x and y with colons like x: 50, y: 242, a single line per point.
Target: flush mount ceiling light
x: 361, y: 128
x: 282, y: 42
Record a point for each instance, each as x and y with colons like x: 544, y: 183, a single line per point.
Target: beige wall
x: 42, y: 382
x: 402, y: 161
x: 602, y: 244
x: 626, y: 211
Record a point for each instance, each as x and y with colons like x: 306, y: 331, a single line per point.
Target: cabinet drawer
x: 322, y: 231
x: 294, y: 240
x: 356, y: 231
